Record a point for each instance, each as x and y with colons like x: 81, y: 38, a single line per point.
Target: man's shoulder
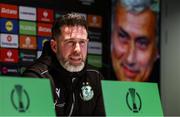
x: 93, y: 71
x: 37, y: 69
x: 91, y: 68
x: 38, y: 66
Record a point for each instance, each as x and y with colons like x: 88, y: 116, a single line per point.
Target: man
x: 133, y: 44
x: 77, y: 87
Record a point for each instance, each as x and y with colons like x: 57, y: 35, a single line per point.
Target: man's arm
x: 30, y: 74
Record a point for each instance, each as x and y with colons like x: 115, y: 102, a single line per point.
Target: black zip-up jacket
x: 77, y: 93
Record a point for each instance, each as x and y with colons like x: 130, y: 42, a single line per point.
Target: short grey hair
x: 132, y: 6
x: 135, y: 6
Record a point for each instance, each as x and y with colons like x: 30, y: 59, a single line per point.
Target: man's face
x: 133, y: 46
x: 72, y: 48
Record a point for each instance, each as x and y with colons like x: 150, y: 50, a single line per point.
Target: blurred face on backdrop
x: 71, y: 47
x: 133, y: 44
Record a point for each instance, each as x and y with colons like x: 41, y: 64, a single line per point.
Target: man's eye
x: 82, y: 42
x: 70, y: 43
x: 123, y: 37
x: 142, y: 43
x: 121, y: 34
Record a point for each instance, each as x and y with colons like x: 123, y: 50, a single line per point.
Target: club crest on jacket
x: 86, y: 92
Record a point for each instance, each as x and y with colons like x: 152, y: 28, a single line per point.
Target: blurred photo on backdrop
x: 135, y: 40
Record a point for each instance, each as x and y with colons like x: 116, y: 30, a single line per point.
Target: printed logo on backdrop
x: 4, y: 70
x: 44, y: 41
x: 95, y: 60
x: 57, y: 15
x: 95, y: 48
x: 9, y: 25
x: 45, y: 15
x: 9, y: 69
x: 9, y: 55
x: 95, y: 21
x: 20, y: 98
x: 27, y: 13
x: 44, y: 29
x: 133, y: 100
x: 22, y: 69
x: 41, y: 41
x: 9, y: 40
x: 95, y: 34
x: 28, y: 28
x: 28, y: 42
x: 8, y: 11
x: 27, y: 56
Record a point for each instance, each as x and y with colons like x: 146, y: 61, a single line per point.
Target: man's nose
x: 77, y: 48
x: 131, y: 55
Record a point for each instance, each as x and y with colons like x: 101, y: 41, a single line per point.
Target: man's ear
x: 53, y: 44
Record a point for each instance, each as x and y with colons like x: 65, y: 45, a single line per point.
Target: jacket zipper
x: 72, y: 106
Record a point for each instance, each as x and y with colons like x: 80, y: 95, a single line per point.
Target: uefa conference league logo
x: 133, y: 100
x: 20, y: 98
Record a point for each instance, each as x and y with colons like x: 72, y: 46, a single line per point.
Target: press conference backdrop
x: 25, y: 26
